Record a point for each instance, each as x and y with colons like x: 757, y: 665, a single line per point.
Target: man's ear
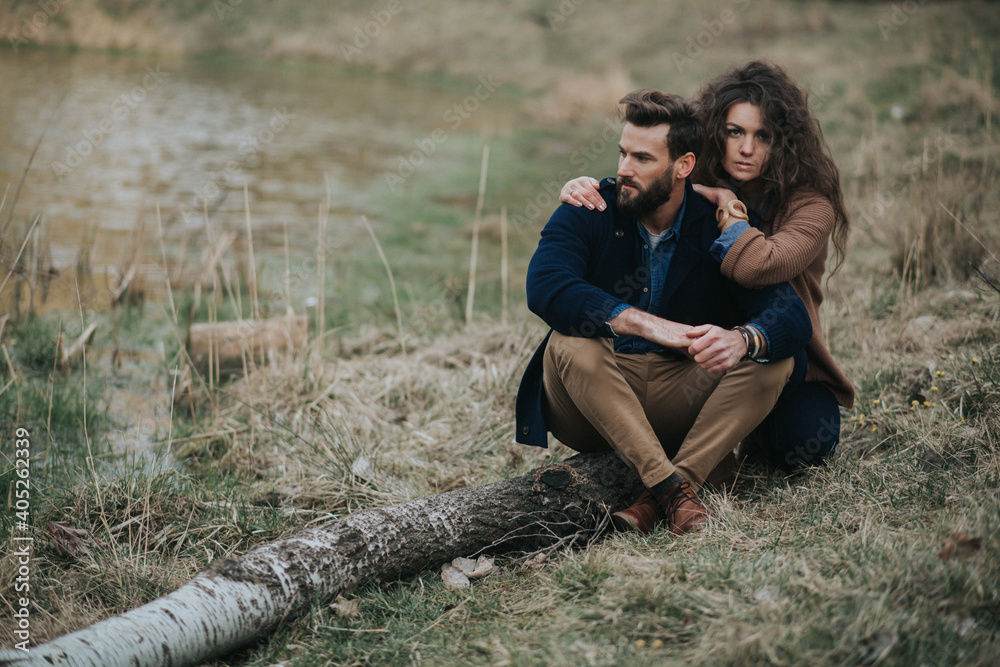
x: 684, y: 165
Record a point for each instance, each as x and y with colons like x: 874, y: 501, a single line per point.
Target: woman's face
x: 747, y: 143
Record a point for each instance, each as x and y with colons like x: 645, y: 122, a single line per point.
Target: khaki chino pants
x: 660, y: 413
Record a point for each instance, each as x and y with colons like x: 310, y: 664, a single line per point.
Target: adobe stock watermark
x: 582, y: 158
x: 901, y: 13
x: 562, y: 12
x: 223, y: 8
x: 911, y: 171
x: 818, y: 96
x: 706, y: 38
x: 120, y: 109
x: 367, y: 32
x: 250, y: 149
x: 29, y: 27
x: 425, y: 147
x: 20, y: 536
x: 817, y: 448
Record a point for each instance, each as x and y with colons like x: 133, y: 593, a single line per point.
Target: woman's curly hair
x: 798, y: 156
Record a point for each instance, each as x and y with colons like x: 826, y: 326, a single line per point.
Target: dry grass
x: 887, y: 556
x: 838, y: 565
x: 380, y: 427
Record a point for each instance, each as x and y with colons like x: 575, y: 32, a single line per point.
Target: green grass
x: 58, y: 407
x: 871, y: 560
x: 832, y: 568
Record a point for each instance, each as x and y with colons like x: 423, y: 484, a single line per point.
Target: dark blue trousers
x: 804, y: 427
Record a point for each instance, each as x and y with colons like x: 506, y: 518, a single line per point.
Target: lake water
x: 123, y: 134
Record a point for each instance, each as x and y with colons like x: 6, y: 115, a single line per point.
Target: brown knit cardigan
x: 793, y: 248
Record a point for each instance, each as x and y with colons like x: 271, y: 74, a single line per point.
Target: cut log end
x: 223, y: 348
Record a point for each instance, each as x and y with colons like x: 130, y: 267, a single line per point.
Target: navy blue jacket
x: 590, y: 262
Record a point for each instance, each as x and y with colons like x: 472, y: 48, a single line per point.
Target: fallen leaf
x: 959, y: 544
x: 69, y: 540
x: 536, y: 562
x: 453, y: 577
x: 345, y: 608
x: 464, y: 565
x: 474, y: 569
x: 484, y: 566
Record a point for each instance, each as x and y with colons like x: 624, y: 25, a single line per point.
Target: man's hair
x: 649, y: 107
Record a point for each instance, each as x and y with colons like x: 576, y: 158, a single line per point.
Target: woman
x: 765, y: 149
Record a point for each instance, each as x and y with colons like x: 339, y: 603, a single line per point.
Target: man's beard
x: 644, y: 200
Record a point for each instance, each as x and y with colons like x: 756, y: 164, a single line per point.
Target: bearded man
x: 652, y: 353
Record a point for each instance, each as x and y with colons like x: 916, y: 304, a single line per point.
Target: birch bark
x: 233, y: 602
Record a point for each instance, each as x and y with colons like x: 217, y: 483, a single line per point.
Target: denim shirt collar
x: 675, y: 229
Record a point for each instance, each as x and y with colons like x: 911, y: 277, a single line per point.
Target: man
x: 654, y: 354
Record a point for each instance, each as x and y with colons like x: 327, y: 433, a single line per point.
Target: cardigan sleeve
x: 800, y: 235
x: 778, y: 312
x: 557, y: 287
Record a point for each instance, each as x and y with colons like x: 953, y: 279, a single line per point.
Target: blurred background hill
x: 532, y: 44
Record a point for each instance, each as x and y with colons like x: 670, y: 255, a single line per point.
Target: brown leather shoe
x: 641, y: 517
x: 682, y: 509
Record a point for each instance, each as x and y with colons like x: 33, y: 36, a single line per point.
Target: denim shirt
x: 656, y: 262
x: 727, y: 239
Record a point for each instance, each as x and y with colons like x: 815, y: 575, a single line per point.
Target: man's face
x: 645, y: 170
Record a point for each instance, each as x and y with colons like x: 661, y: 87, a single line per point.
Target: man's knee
x: 583, y: 354
x: 774, y: 374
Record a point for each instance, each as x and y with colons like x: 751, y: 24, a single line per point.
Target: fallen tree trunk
x: 222, y: 349
x: 233, y: 602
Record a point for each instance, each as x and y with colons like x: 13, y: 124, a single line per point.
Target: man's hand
x: 715, y: 349
x: 582, y: 191
x: 635, y: 322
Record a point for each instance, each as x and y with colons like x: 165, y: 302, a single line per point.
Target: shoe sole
x: 698, y: 527
x: 625, y: 524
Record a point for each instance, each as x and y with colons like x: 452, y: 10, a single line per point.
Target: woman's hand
x: 718, y: 196
x: 582, y: 191
x: 722, y: 198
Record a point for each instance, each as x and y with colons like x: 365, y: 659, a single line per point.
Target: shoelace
x: 677, y: 495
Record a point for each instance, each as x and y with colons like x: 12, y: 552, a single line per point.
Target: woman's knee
x: 813, y: 450
x: 804, y: 430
